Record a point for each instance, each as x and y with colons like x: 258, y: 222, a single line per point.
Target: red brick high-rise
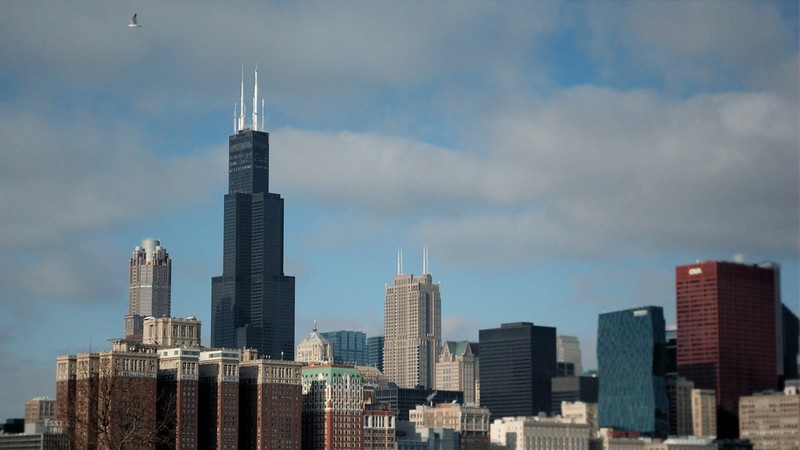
x: 728, y: 317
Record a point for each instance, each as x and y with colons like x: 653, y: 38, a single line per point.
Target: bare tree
x: 117, y: 405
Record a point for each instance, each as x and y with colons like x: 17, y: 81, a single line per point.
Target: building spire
x: 241, y: 102
x: 255, y: 101
x: 425, y: 259
x: 399, y: 261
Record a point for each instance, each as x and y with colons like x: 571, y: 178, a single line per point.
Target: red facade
x: 727, y: 332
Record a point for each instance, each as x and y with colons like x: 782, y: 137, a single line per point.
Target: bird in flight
x: 133, y: 23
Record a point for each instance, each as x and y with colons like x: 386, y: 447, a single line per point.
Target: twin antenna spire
x: 239, y: 120
x: 424, y: 260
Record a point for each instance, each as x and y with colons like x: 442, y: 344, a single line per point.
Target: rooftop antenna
x: 234, y: 117
x: 262, y: 114
x: 241, y: 102
x: 399, y: 261
x: 425, y: 259
x: 315, y: 325
x: 255, y: 101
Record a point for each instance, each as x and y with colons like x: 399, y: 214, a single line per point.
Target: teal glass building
x: 631, y: 358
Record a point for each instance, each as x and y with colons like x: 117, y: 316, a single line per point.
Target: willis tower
x: 252, y: 302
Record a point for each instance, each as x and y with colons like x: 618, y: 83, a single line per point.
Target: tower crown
x: 239, y: 123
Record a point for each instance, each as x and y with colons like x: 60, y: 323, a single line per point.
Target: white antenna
x: 241, y: 102
x: 262, y: 115
x: 425, y: 259
x: 255, y: 101
x: 234, y: 117
x: 399, y: 261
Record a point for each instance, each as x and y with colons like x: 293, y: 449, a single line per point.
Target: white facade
x: 539, y: 433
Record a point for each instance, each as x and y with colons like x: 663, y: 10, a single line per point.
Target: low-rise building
x: 470, y: 422
x: 539, y: 432
x: 771, y: 421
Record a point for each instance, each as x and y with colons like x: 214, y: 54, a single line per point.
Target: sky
x: 558, y: 159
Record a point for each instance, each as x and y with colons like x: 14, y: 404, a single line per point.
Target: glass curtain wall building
x: 631, y: 357
x: 349, y: 347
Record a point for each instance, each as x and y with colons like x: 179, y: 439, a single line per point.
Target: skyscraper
x: 252, y: 302
x: 518, y: 361
x: 150, y: 281
x: 412, y: 327
x: 568, y: 349
x: 728, y: 340
x: 375, y: 352
x: 631, y: 358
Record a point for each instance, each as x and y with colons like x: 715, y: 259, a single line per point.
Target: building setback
x: 728, y: 315
x: 150, y: 281
x: 379, y: 428
x: 412, y: 328
x: 518, y: 361
x: 631, y: 357
x: 252, y: 302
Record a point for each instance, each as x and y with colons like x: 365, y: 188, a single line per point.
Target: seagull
x: 133, y: 23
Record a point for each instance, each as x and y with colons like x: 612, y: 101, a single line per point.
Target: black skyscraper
x: 518, y: 361
x: 252, y: 303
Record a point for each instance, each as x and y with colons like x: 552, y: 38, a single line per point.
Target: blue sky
x: 559, y: 159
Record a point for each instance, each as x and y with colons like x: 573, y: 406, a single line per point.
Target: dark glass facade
x: 631, y: 358
x: 518, y: 361
x: 349, y: 347
x: 375, y: 352
x: 573, y: 389
x: 252, y: 302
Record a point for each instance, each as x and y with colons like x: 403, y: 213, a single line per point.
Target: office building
x: 375, y: 352
x: 349, y: 347
x: 568, y: 350
x: 791, y: 327
x: 218, y: 399
x: 704, y: 413
x: 518, y: 361
x: 252, y: 302
x: 39, y: 414
x: 529, y: 433
x: 150, y: 281
x: 412, y: 327
x: 270, y: 403
x: 573, y: 389
x: 403, y: 400
x: 34, y: 441
x: 333, y: 415
x: 470, y: 422
x: 581, y: 412
x: 171, y: 332
x: 679, y: 391
x: 314, y: 348
x: 631, y: 349
x: 728, y: 338
x: 410, y: 437
x: 771, y: 421
x: 458, y: 369
x: 672, y: 349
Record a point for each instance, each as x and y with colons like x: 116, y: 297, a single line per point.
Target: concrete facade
x: 771, y: 421
x: 457, y: 369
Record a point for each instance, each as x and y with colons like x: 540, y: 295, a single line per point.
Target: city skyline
x: 555, y: 157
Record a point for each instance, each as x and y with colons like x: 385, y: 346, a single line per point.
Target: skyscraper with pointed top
x: 252, y: 302
x: 412, y: 327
